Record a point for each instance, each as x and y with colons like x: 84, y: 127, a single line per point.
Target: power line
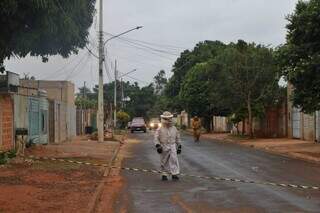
x: 61, y: 69
x: 79, y: 71
x: 173, y: 47
x: 75, y: 67
x: 150, y: 48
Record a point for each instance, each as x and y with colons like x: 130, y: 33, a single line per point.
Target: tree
x: 84, y: 92
x: 160, y: 81
x: 202, y: 52
x: 85, y: 103
x: 252, y: 73
x: 43, y: 27
x: 299, y: 58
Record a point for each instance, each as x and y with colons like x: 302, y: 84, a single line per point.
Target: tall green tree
x: 160, y: 81
x: 300, y: 56
x: 202, y: 52
x: 43, y: 27
x: 205, y: 92
x: 252, y: 73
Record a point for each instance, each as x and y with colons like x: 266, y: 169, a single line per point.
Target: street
x: 147, y: 193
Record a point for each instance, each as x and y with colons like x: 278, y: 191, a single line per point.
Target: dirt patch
x: 114, y: 183
x: 53, y: 186
x: 38, y: 189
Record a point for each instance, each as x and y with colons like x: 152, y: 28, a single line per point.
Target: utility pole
x: 100, y: 114
x: 122, y: 95
x: 84, y: 90
x: 115, y: 95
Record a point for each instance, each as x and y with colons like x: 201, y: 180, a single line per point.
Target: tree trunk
x: 237, y: 127
x: 250, y: 118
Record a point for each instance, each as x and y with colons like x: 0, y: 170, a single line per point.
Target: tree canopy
x: 299, y: 58
x: 43, y: 27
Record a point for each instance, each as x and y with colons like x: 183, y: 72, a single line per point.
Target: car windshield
x: 138, y: 120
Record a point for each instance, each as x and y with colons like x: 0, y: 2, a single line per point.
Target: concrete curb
x: 261, y: 149
x: 93, y: 204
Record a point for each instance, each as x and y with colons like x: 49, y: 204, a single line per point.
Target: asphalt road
x: 147, y: 193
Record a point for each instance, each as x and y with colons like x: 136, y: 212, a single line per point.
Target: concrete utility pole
x: 115, y: 95
x: 100, y: 114
x: 84, y: 89
x: 122, y: 94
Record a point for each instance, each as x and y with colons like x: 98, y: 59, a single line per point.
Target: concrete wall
x: 21, y: 118
x: 307, y: 121
x: 84, y: 119
x: 56, y: 90
x: 6, y: 123
x: 62, y: 122
x: 308, y: 127
x: 220, y: 124
x: 272, y: 125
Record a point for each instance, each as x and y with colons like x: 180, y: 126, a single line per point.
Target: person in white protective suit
x: 168, y: 144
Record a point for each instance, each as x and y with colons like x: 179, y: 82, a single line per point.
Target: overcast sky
x: 169, y: 27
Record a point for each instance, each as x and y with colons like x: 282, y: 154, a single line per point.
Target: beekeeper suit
x: 196, y: 126
x: 168, y: 144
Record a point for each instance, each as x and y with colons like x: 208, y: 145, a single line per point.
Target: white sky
x: 171, y: 26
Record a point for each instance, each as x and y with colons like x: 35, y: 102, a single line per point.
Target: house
x: 31, y: 113
x: 61, y: 107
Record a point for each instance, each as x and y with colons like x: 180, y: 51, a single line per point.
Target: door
x: 34, y: 126
x: 296, y: 123
x: 59, y: 122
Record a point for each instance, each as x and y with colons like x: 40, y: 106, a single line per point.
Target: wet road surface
x: 147, y: 193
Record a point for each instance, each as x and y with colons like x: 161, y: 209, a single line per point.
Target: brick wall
x: 6, y: 123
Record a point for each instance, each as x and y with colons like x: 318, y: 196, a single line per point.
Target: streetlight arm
x: 127, y: 73
x: 116, y: 36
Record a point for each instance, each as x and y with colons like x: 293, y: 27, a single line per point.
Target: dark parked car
x: 138, y: 124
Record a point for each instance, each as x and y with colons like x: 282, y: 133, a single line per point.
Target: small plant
x: 12, y: 153
x: 3, y: 158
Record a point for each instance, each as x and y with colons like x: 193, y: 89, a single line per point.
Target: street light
x: 116, y: 36
x: 115, y: 72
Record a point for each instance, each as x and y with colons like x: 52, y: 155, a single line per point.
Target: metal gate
x: 296, y: 120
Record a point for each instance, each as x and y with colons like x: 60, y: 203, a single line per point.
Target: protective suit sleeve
x: 156, y: 139
x: 178, y: 138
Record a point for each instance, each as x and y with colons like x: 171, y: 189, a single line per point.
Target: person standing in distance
x: 168, y: 144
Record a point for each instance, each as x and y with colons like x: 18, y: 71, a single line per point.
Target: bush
x: 3, y: 158
x: 123, y: 119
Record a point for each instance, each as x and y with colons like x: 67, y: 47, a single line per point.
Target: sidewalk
x: 46, y: 186
x: 298, y: 149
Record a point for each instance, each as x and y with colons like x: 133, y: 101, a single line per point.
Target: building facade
x: 61, y: 107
